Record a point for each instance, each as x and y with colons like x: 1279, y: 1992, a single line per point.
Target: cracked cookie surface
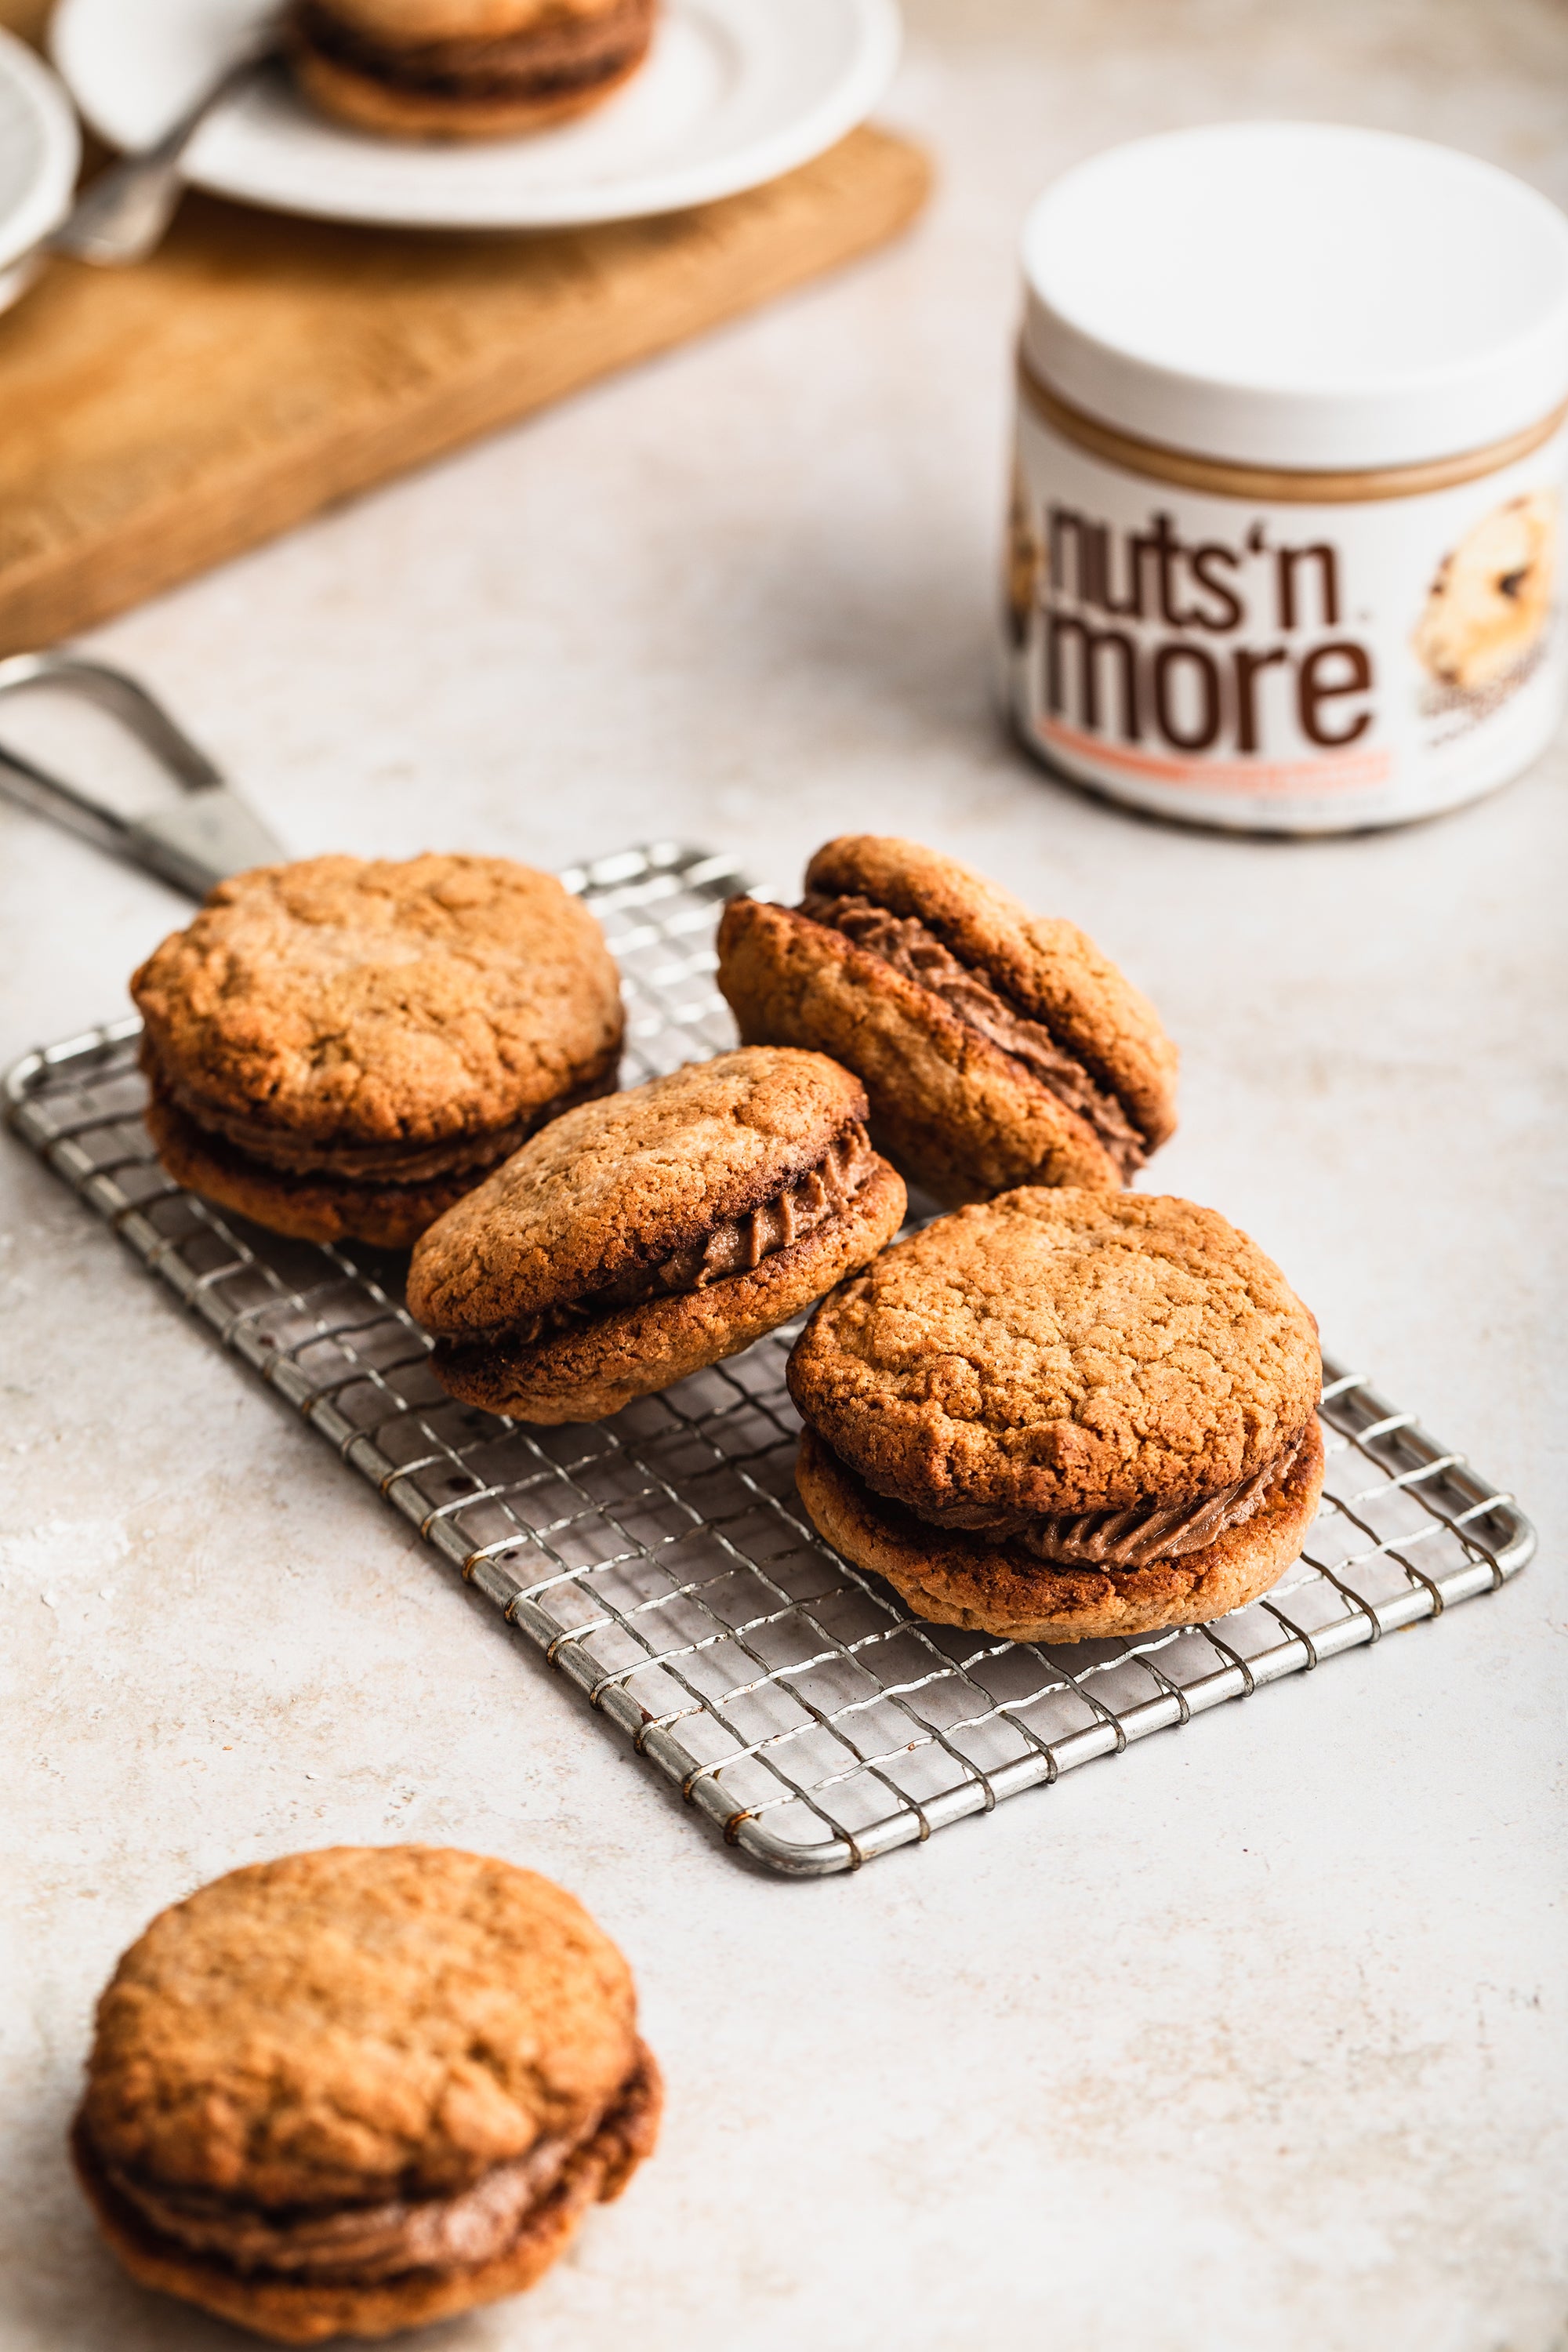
x: 373, y: 1002
x: 1061, y: 1352
x: 1064, y: 1415
x: 334, y: 2026
x: 352, y: 2090
x: 997, y: 1047
x: 342, y: 1048
x: 640, y: 1238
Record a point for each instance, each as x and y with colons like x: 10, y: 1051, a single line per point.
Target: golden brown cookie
x: 342, y: 1048
x: 1063, y: 1414
x: 465, y: 69
x: 996, y: 1047
x: 642, y: 1237
x: 351, y: 2091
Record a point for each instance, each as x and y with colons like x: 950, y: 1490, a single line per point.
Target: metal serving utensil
x: 193, y: 843
x: 123, y: 215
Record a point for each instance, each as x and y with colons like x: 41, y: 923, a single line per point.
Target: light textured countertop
x: 1251, y: 2037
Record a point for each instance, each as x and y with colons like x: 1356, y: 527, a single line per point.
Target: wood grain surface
x: 156, y: 420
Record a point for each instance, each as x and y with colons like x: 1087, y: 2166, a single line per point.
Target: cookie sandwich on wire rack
x: 997, y: 1047
x: 340, y: 1049
x: 1064, y: 1415
x: 638, y: 1239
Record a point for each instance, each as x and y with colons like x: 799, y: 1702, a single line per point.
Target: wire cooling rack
x: 661, y: 1560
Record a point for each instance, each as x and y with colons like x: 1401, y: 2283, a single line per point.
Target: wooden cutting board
x: 156, y: 420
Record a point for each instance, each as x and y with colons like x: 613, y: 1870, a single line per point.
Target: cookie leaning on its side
x: 997, y: 1047
x: 1064, y: 1415
x: 350, y: 2092
x: 342, y: 1048
x: 465, y: 69
x: 640, y: 1239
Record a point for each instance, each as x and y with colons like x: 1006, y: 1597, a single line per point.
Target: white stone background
x: 1253, y: 2037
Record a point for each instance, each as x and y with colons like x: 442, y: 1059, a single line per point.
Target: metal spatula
x: 193, y: 843
x: 122, y: 215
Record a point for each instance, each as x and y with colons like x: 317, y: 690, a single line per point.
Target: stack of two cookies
x: 426, y: 1052
x: 340, y: 1049
x: 1063, y: 1412
x: 464, y: 68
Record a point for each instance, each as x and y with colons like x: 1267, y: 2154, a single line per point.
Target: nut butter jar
x: 1285, y: 545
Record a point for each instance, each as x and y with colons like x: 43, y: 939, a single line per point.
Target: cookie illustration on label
x: 1492, y: 596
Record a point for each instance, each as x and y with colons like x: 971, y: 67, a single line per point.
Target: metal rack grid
x: 660, y: 1560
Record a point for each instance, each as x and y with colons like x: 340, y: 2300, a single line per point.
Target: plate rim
x: 879, y: 29
x: 47, y: 200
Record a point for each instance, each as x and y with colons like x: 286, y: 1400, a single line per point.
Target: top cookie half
x: 411, y: 24
x: 368, y: 1002
x: 620, y: 1187
x: 355, y: 2024
x: 1061, y: 1352
x: 997, y: 1047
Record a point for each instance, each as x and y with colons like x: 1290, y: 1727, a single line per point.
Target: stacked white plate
x: 39, y: 152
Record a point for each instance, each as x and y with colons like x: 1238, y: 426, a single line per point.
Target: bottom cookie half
x: 308, y: 1208
x: 318, y: 1205
x: 302, y: 2311
x: 957, y: 1579
x: 360, y: 98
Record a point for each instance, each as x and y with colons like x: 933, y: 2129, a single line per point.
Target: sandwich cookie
x: 638, y: 1239
x: 350, y: 2092
x: 465, y: 69
x: 1064, y: 1415
x: 996, y: 1047
x: 341, y: 1049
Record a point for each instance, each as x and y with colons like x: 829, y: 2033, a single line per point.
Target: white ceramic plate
x: 39, y: 152
x: 734, y: 92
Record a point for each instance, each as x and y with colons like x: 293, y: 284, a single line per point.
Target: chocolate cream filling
x: 916, y: 952
x: 554, y: 57
x: 291, y: 1154
x: 1138, y: 1537
x: 732, y: 1245
x: 361, y: 2245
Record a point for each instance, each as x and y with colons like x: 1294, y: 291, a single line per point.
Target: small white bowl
x: 40, y: 149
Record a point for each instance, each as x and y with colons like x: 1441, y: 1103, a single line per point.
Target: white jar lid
x: 1299, y: 294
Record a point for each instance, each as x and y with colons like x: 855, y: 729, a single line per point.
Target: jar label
x: 1284, y: 667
